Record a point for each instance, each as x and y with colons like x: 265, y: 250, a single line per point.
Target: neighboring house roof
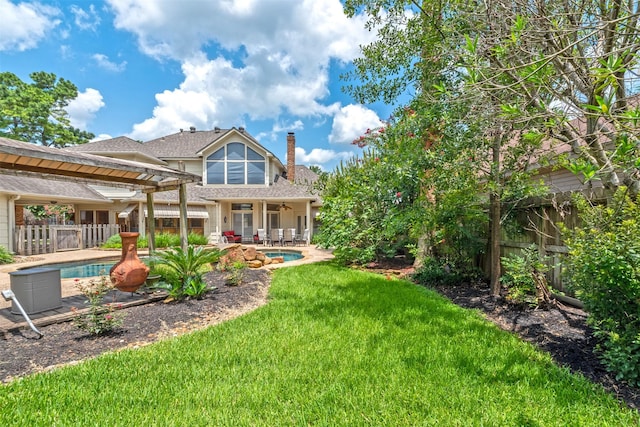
x: 48, y: 189
x: 121, y: 146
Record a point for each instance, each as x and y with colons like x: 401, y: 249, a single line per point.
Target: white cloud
x: 101, y: 137
x: 351, y: 122
x: 86, y: 20
x: 83, y: 109
x: 25, y: 24
x: 104, y: 62
x: 261, y: 60
x: 320, y: 156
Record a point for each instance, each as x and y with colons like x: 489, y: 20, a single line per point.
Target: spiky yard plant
x: 188, y: 265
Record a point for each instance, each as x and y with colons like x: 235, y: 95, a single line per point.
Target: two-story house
x: 244, y: 186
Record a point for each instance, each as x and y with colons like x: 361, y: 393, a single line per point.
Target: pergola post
x: 151, y: 222
x: 184, y: 242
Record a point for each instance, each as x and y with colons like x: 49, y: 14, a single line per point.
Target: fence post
x: 20, y: 232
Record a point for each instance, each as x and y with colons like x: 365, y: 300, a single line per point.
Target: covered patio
x: 23, y: 159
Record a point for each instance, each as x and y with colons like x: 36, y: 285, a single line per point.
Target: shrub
x: 163, y: 240
x: 100, y: 318
x: 524, y: 277
x: 236, y: 272
x: 436, y: 272
x: 604, y: 271
x: 113, y: 242
x: 197, y: 239
x: 196, y: 287
x: 186, y: 267
x: 350, y: 255
x: 5, y: 256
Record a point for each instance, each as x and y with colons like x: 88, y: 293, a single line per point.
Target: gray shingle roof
x: 280, y: 190
x: 110, y: 147
x: 49, y: 189
x: 185, y: 144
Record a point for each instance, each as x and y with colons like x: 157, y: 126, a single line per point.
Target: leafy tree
x: 35, y: 112
x: 410, y: 182
x: 424, y: 47
x: 317, y: 169
x: 62, y: 212
x: 558, y: 76
x: 566, y: 60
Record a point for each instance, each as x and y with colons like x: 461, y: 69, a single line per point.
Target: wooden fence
x: 42, y: 239
x: 539, y: 226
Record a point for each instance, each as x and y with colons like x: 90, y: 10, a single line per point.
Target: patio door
x: 273, y: 220
x: 243, y: 224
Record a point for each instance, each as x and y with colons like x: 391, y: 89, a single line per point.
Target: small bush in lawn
x: 524, y: 277
x: 604, y: 271
x: 5, y: 256
x: 101, y: 318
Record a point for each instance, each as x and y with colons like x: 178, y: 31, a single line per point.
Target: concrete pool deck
x: 72, y: 298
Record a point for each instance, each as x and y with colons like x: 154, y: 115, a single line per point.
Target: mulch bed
x: 22, y: 353
x: 561, y: 331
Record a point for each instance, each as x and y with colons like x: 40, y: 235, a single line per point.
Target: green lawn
x: 332, y: 347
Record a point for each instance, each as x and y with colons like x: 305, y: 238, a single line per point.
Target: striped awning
x: 168, y: 211
x: 127, y: 211
x: 173, y: 211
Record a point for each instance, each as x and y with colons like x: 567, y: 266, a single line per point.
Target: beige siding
x: 191, y: 166
x: 4, y: 221
x: 562, y: 181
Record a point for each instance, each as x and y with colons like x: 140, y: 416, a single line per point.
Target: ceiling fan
x: 284, y: 207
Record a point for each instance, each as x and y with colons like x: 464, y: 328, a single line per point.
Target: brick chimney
x: 291, y: 156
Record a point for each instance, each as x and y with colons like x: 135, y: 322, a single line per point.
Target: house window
x: 102, y: 217
x: 235, y: 164
x: 94, y: 217
x: 86, y: 217
x: 242, y: 206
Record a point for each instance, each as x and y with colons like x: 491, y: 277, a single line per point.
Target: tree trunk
x: 423, y: 251
x: 494, y: 238
x: 495, y: 216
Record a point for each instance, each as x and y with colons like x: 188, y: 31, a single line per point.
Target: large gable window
x: 235, y: 164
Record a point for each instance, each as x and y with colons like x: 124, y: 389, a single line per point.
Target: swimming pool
x: 287, y: 255
x: 88, y: 268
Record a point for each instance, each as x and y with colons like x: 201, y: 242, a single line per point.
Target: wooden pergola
x: 26, y: 159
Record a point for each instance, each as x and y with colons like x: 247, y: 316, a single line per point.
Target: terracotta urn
x: 129, y: 273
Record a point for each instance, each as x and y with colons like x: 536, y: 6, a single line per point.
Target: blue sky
x: 146, y: 68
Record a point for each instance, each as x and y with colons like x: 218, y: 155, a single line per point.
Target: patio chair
x: 304, y: 239
x: 263, y: 237
x: 289, y: 236
x: 231, y: 237
x: 277, y: 236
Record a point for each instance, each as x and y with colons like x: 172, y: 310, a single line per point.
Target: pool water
x: 288, y: 256
x: 82, y: 269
